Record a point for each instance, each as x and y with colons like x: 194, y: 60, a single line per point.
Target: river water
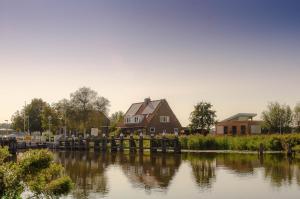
x: 185, y: 176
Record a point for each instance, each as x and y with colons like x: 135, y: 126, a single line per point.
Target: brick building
x: 239, y: 124
x: 150, y: 117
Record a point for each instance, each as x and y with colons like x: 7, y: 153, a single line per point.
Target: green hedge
x: 271, y: 142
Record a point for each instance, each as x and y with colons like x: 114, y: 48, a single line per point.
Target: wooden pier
x: 101, y: 144
x: 120, y: 144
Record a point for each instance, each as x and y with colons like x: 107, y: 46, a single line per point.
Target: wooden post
x: 290, y: 151
x: 153, y: 147
x: 81, y: 144
x: 87, y: 144
x: 104, y: 143
x: 96, y: 144
x: 72, y: 143
x: 141, y: 143
x: 177, y: 145
x: 261, y: 149
x: 113, y: 144
x: 121, y: 148
x: 164, y: 144
x: 131, y: 144
x: 12, y: 145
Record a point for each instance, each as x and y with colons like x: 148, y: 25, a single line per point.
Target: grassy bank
x: 251, y: 143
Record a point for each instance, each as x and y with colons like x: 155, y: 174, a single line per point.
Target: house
x: 239, y: 124
x: 150, y: 117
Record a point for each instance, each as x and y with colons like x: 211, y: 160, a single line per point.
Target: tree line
x: 276, y: 118
x: 85, y: 109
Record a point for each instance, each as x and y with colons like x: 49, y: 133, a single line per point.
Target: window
x: 136, y: 119
x: 225, y: 130
x: 127, y: 120
x: 175, y: 130
x: 243, y: 129
x: 152, y: 130
x: 234, y: 130
x: 164, y: 119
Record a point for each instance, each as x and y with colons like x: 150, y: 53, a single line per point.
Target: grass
x: 273, y: 142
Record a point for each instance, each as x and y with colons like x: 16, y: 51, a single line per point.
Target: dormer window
x: 164, y: 119
x: 133, y: 119
x: 127, y: 120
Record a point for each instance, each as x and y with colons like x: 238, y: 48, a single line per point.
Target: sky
x: 237, y: 54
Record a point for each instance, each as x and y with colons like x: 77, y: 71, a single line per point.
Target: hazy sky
x: 237, y: 54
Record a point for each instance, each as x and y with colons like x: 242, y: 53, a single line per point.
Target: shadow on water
x: 88, y: 170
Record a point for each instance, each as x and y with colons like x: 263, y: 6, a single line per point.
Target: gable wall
x: 164, y: 110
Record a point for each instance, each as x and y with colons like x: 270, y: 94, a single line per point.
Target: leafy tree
x: 50, y: 118
x: 202, y: 118
x: 85, y: 110
x: 278, y: 118
x: 115, y: 118
x: 84, y: 103
x: 18, y: 121
x: 297, y: 117
x: 34, y: 111
x: 34, y: 170
x: 37, y: 114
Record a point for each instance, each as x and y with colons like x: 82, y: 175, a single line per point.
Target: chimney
x: 147, y: 100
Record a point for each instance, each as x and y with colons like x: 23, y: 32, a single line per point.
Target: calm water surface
x: 170, y: 176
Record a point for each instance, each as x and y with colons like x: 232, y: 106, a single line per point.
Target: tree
x: 50, y: 119
x: 278, y: 118
x: 18, y: 121
x: 297, y: 117
x: 34, y: 111
x: 37, y: 117
x: 84, y: 103
x: 202, y: 118
x: 115, y: 118
x: 34, y: 170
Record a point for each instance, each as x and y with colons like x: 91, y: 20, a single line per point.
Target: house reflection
x: 152, y: 171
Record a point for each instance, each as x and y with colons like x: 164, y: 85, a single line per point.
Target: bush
x: 251, y: 143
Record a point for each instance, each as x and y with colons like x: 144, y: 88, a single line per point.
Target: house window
x: 136, y: 119
x: 234, y: 130
x: 164, y: 119
x: 127, y: 120
x: 176, y: 130
x: 225, y: 130
x: 152, y: 130
x: 243, y: 129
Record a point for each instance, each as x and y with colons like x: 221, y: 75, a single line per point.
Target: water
x: 192, y: 176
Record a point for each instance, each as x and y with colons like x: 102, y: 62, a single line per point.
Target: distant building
x: 150, y: 117
x: 5, y: 132
x: 239, y: 124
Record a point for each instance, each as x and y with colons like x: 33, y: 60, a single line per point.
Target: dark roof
x: 249, y: 115
x: 143, y: 109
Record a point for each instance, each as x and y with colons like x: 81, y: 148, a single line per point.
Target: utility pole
x: 28, y: 124
x: 24, y: 117
x: 49, y: 119
x: 65, y: 127
x: 6, y: 127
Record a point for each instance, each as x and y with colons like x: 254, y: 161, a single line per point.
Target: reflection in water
x: 147, y: 172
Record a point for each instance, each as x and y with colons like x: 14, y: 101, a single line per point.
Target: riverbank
x: 273, y: 142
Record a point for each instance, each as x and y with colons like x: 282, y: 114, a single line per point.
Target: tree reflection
x: 203, y: 168
x: 87, y: 170
x: 156, y: 171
